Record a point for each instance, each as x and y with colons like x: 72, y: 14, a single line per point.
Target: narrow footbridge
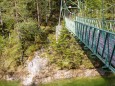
x: 99, y: 41
x: 90, y: 32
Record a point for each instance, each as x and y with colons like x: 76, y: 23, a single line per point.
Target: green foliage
x: 31, y: 37
x: 20, y: 29
x: 30, y: 50
x: 1, y: 44
x: 23, y: 36
x: 66, y: 49
x: 20, y: 35
x: 93, y: 4
x: 27, y: 31
x: 67, y: 53
x: 11, y: 51
x: 93, y: 9
x: 8, y: 23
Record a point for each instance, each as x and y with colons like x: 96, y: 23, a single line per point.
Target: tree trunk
x: 18, y: 32
x: 38, y: 12
x: 15, y: 11
x: 1, y: 23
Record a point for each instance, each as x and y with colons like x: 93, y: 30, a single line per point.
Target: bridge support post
x: 58, y: 30
x: 105, y: 68
x: 86, y: 48
x: 59, y: 27
x: 93, y: 56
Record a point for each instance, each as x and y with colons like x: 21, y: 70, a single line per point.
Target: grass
x: 95, y: 81
x: 92, y: 81
x: 9, y: 83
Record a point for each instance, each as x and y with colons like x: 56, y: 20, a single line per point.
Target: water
x: 33, y: 68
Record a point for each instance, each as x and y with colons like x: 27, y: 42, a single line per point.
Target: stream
x: 33, y: 68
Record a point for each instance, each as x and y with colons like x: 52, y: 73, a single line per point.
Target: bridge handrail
x: 96, y: 28
x: 108, y: 24
x: 94, y: 18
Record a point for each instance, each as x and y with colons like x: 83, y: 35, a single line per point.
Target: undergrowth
x: 67, y: 53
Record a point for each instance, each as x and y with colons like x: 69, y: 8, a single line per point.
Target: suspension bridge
x: 98, y: 35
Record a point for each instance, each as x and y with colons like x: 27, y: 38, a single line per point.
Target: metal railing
x: 98, y: 23
x: 100, y: 42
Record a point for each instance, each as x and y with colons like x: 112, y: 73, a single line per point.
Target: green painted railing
x: 98, y: 23
x: 100, y: 42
